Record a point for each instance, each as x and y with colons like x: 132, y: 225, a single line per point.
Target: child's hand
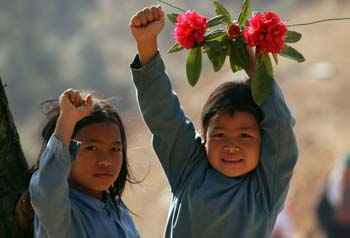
x: 73, y: 108
x: 145, y: 26
x: 147, y: 23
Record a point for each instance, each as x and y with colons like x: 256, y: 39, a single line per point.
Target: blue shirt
x: 206, y: 203
x: 61, y: 211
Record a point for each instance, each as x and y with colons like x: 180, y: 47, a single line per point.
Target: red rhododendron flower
x: 190, y: 29
x: 266, y: 32
x: 234, y: 30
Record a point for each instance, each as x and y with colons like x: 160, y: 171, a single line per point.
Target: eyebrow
x: 240, y: 128
x: 98, y: 141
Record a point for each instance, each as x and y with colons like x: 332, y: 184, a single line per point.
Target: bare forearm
x: 147, y: 50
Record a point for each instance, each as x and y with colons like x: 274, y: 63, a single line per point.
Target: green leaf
x: 214, y: 21
x: 213, y: 45
x: 275, y: 58
x: 221, y: 10
x: 235, y: 60
x: 175, y: 48
x: 291, y: 53
x: 217, y: 57
x: 172, y: 17
x: 194, y: 65
x: 261, y: 84
x: 245, y: 13
x: 217, y: 34
x: 268, y: 64
x: 292, y: 37
x: 239, y: 56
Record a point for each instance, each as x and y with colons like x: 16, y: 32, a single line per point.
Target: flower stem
x: 323, y: 20
x: 171, y: 5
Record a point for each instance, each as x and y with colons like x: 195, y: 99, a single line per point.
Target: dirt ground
x: 316, y: 90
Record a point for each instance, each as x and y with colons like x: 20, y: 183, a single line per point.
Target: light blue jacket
x: 63, y: 212
x: 205, y: 203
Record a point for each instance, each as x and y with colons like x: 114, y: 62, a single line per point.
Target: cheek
x: 254, y: 150
x: 82, y: 165
x: 213, y: 148
x: 117, y: 164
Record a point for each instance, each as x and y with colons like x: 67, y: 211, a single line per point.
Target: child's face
x: 233, y: 143
x: 99, y: 159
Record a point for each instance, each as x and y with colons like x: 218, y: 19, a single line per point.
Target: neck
x: 90, y: 192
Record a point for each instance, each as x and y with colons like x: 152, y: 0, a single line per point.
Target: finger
x: 160, y: 11
x: 135, y: 21
x: 78, y: 100
x: 69, y: 94
x: 72, y: 96
x: 86, y: 109
x: 75, y: 98
x: 148, y: 14
x: 155, y: 13
x: 143, y: 19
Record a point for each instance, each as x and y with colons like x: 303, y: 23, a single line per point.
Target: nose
x: 231, y: 146
x: 231, y: 149
x: 104, y: 159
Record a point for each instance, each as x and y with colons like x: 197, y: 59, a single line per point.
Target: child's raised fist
x: 72, y: 104
x: 147, y: 23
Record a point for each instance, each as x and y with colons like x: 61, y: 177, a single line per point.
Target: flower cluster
x: 266, y: 32
x: 190, y: 29
x: 248, y: 43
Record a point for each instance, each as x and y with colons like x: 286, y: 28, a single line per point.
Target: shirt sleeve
x: 49, y: 188
x: 279, y: 151
x: 174, y: 137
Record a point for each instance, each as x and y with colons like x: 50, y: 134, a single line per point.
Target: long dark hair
x: 229, y: 97
x: 102, y: 111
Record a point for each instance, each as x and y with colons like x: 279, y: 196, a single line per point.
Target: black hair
x: 229, y: 97
x: 102, y: 111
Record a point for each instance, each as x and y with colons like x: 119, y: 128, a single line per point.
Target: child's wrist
x: 64, y: 128
x: 147, y: 50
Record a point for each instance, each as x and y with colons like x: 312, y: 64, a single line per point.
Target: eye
x: 116, y: 149
x: 91, y: 148
x: 245, y: 135
x: 218, y: 135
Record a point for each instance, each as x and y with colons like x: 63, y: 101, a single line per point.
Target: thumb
x: 86, y: 109
x: 88, y: 100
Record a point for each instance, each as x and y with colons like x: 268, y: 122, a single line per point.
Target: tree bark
x: 16, y: 215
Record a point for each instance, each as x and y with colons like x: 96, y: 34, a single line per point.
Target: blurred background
x: 47, y: 46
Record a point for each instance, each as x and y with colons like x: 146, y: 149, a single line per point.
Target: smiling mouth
x: 232, y: 161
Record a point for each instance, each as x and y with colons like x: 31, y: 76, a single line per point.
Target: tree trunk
x: 16, y: 215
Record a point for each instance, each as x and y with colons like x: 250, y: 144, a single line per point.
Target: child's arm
x: 279, y: 151
x: 174, y: 136
x: 73, y: 108
x: 145, y: 26
x: 49, y: 184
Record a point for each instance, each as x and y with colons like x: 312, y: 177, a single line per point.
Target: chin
x: 235, y: 174
x: 102, y: 188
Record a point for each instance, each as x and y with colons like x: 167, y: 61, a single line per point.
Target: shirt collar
x: 89, y: 201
